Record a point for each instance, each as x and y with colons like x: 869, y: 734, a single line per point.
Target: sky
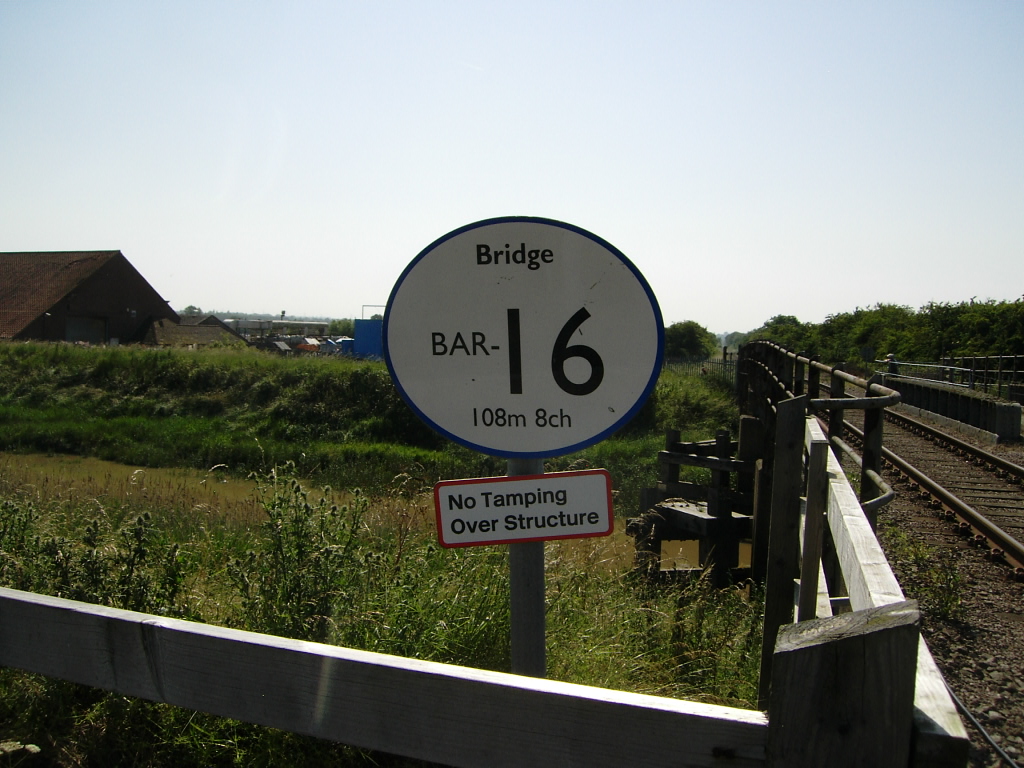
x: 752, y: 159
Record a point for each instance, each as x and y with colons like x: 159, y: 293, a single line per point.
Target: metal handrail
x: 879, y: 397
x: 887, y: 492
x: 885, y: 397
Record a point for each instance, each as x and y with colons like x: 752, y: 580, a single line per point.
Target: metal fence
x: 725, y: 368
x: 999, y: 375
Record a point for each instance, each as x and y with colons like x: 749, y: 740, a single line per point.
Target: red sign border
x: 506, y: 479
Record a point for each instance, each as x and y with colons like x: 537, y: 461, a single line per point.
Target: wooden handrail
x: 437, y: 712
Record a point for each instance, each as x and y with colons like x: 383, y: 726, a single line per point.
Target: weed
x: 306, y: 562
x: 925, y: 572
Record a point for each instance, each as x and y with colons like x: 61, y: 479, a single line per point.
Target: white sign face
x: 502, y: 510
x: 523, y: 337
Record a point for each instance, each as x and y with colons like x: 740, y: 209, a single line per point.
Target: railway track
x: 981, y: 492
x: 948, y: 531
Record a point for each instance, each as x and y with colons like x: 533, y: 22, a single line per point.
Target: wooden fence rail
x: 867, y: 582
x: 436, y: 712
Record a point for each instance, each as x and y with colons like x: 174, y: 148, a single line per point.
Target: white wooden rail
x: 940, y: 738
x: 830, y: 704
x: 436, y: 712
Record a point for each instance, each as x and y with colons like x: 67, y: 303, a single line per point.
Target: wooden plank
x: 823, y: 602
x: 940, y: 737
x: 436, y: 712
x: 869, y: 580
x: 673, y: 458
x: 871, y: 583
x: 784, y: 533
x: 843, y: 690
x: 817, y: 498
x: 749, y: 448
x: 824, y: 605
x: 761, y: 523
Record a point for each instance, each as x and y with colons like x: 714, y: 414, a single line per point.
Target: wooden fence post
x: 784, y: 530
x: 798, y: 377
x: 784, y: 366
x: 749, y: 447
x: 874, y: 419
x: 843, y: 690
x: 813, y: 379
x: 723, y: 548
x: 838, y: 392
x: 761, y: 523
x: 814, y: 521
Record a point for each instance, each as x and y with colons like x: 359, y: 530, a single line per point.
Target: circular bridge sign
x: 523, y: 337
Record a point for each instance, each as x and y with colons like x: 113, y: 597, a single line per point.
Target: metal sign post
x: 526, y: 586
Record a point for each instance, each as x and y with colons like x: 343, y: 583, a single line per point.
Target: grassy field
x: 216, y: 509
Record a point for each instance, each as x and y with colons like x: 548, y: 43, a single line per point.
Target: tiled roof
x: 31, y: 283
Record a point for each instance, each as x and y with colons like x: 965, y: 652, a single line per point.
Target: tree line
x: 935, y: 331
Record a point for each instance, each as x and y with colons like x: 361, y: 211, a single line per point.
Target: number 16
x: 561, y: 352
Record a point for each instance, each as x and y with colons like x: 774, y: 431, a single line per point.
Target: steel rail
x: 855, y: 403
x: 979, y: 453
x: 1001, y: 544
x: 887, y: 493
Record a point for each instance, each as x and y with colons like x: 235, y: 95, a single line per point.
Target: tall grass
x: 365, y: 573
x: 249, y: 410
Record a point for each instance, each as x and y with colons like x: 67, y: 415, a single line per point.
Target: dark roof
x: 203, y: 320
x: 167, y: 333
x: 31, y: 283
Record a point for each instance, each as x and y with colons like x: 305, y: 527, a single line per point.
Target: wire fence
x: 719, y: 367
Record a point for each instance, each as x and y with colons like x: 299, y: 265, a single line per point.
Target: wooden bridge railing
x: 435, y: 712
x: 821, y: 541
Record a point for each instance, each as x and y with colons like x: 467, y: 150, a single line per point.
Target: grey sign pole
x: 526, y: 574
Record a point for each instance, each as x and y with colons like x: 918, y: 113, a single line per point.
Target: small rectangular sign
x: 503, y: 510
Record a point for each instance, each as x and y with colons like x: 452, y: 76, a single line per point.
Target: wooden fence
x: 851, y: 684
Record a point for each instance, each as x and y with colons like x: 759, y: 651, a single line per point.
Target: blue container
x: 369, y: 341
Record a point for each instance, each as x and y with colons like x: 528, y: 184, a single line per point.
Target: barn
x: 91, y: 296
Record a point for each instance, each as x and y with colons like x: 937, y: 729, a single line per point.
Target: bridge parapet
x: 998, y: 418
